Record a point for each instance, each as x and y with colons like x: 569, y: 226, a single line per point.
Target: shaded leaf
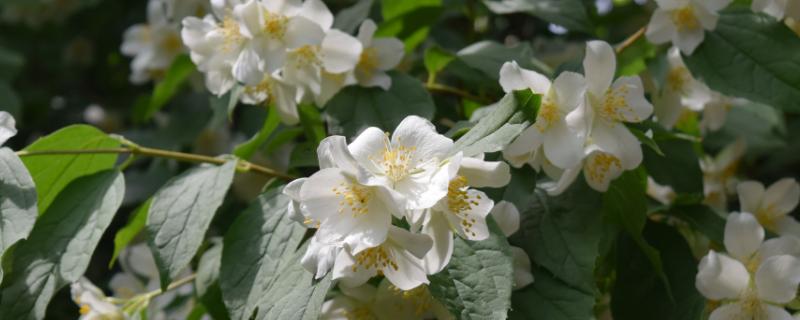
x: 551, y: 299
x: 125, y: 235
x: 570, y: 14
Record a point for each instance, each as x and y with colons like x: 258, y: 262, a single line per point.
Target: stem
x: 630, y: 40
x: 159, y: 153
x: 435, y: 87
x: 137, y: 302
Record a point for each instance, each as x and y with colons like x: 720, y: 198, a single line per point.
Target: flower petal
x: 301, y: 31
x: 246, y: 67
x: 750, y: 195
x: 8, y: 127
x: 421, y: 133
x: 661, y: 29
x: 599, y: 65
x: 320, y: 257
x: 570, y: 90
x: 366, y: 31
x: 777, y: 279
x: 522, y: 268
x: 409, y: 273
x: 389, y: 52
x: 687, y: 41
x: 340, y: 51
x: 441, y: 252
x: 369, y: 145
x: 506, y: 215
x: 743, y: 235
x: 630, y: 92
x: 523, y: 148
x: 563, y: 147
x: 727, y: 312
x: 782, y: 196
x: 600, y: 168
x: 348, y: 272
x: 479, y: 173
x: 721, y: 277
x: 513, y: 77
x: 333, y: 152
x: 615, y: 139
x: 785, y: 245
x: 317, y: 11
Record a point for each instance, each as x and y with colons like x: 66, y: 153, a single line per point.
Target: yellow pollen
x: 230, y: 31
x: 275, y: 25
x: 768, y: 217
x: 677, y: 78
x: 397, y: 161
x: 548, y: 114
x: 460, y: 203
x: 85, y: 309
x: 419, y: 297
x: 172, y: 43
x: 354, y: 198
x: 374, y: 258
x: 306, y: 55
x: 262, y: 88
x: 685, y: 19
x: 751, y: 306
x: 368, y: 61
x: 600, y: 165
x: 614, y: 104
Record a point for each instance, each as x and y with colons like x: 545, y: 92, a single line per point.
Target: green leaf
x: 570, y: 14
x: 703, y: 219
x: 249, y: 148
x: 638, y: 292
x: 489, y: 56
x: 61, y: 244
x: 51, y: 173
x: 746, y: 56
x: 645, y: 140
x: 180, y: 214
x: 176, y: 76
x: 206, y: 284
x: 528, y: 102
x: 355, y: 108
x: 125, y: 235
x: 678, y: 156
x: 477, y: 282
x: 436, y: 59
x: 254, y: 253
x: 350, y: 18
x: 551, y: 299
x: 562, y: 233
x: 17, y: 201
x: 497, y: 128
x: 761, y: 126
x: 9, y: 100
x: 311, y: 121
x: 408, y: 20
x: 391, y: 9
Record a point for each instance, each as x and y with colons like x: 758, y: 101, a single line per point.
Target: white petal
x: 389, y: 52
x: 340, y: 51
x: 565, y: 180
x: 8, y: 127
x: 708, y: 19
x: 721, y: 277
x: 421, y: 133
x: 777, y: 279
x: 333, y: 152
x: 367, y: 146
x: 661, y: 29
x: 782, y: 196
x: 524, y: 147
x: 292, y: 189
x: 728, y: 312
x: 629, y: 93
x: 479, y: 173
x: 416, y: 244
x: 409, y: 273
x: 219, y: 83
x: 246, y: 68
x: 788, y: 226
x: 563, y: 147
x: 366, y: 31
x: 600, y: 168
x: 250, y: 18
x: 317, y: 11
x: 784, y: 245
x: 570, y: 90
x: 373, y: 78
x: 617, y: 140
x: 506, y: 215
x: 441, y: 252
x: 743, y: 235
x: 319, y: 257
x: 750, y: 195
x: 599, y: 65
x: 285, y: 100
x: 470, y: 222
x: 775, y: 313
x: 522, y: 268
x: 301, y: 31
x: 688, y: 40
x: 513, y: 77
x: 348, y: 273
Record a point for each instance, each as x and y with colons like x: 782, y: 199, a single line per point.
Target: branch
x: 630, y: 40
x: 242, y: 165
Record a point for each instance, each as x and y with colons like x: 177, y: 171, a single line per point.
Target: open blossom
x: 276, y: 90
x: 680, y: 91
x: 719, y: 174
x: 778, y: 8
x: 8, y: 127
x: 550, y: 134
x: 756, y: 278
x: 684, y: 22
x: 772, y: 206
x: 153, y: 45
x: 93, y: 303
x: 377, y: 56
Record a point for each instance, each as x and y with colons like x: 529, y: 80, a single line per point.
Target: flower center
x: 368, y: 61
x: 275, y: 25
x: 374, y: 258
x: 677, y: 78
x: 768, y: 217
x: 460, y: 203
x: 419, y: 297
x: 262, y: 88
x: 600, y: 165
x: 230, y: 31
x: 397, y: 161
x: 306, y: 55
x: 548, y: 114
x: 751, y: 306
x: 172, y: 43
x: 685, y: 19
x: 614, y: 104
x: 85, y: 309
x: 354, y: 198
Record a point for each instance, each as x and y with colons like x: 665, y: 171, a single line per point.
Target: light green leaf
x: 350, y: 18
x: 256, y: 249
x: 181, y: 213
x: 408, y: 20
x: 176, y: 76
x: 61, y: 244
x: 391, y: 9
x: 355, y: 108
x: 51, y: 173
x: 294, y: 294
x: 477, y: 282
x: 570, y: 14
x: 206, y: 284
x: 638, y: 292
x: 249, y: 148
x: 17, y: 201
x: 749, y: 55
x: 551, y: 299
x: 562, y: 233
x: 125, y: 235
x: 436, y: 59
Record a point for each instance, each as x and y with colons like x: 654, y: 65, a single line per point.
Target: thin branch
x: 159, y: 153
x: 630, y: 40
x: 435, y: 87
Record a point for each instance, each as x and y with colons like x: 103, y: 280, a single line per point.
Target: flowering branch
x: 159, y: 153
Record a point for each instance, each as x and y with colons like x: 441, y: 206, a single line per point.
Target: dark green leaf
x: 761, y: 126
x: 436, y: 59
x: 206, y: 284
x: 477, y: 282
x: 355, y: 108
x: 125, y: 235
x: 51, y: 173
x: 551, y: 299
x: 703, y: 219
x: 181, y: 213
x: 17, y: 201
x: 61, y: 244
x: 678, y: 157
x: 570, y: 14
x: 9, y: 100
x: 639, y: 293
x: 248, y: 148
x: 176, y: 76
x: 312, y: 123
x: 748, y: 55
x: 528, y: 102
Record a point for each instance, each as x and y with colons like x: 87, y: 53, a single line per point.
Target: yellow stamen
x: 419, y: 298
x: 230, y: 31
x: 460, y: 203
x: 615, y: 104
x: 677, y: 78
x: 597, y: 170
x: 685, y: 19
x: 397, y: 161
x: 548, y: 114
x: 275, y: 25
x: 353, y: 197
x: 368, y: 61
x: 85, y: 309
x: 375, y: 258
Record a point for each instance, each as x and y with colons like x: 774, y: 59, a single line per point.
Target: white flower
x: 683, y: 22
x: 378, y: 56
x: 680, y: 91
x: 661, y: 193
x: 507, y: 217
x: 215, y: 45
x: 8, y: 127
x: 716, y: 110
x: 778, y: 8
x: 719, y: 172
x: 755, y: 278
x: 522, y: 268
x: 399, y: 258
x: 275, y: 91
x: 153, y: 45
x: 771, y: 206
x: 386, y: 302
x: 551, y: 133
x: 93, y: 303
x: 412, y: 163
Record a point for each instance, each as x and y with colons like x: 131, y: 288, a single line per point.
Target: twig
x: 630, y: 40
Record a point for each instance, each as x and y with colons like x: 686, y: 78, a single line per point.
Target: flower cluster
x: 285, y: 52
x: 155, y: 44
x: 413, y: 177
x: 580, y: 124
